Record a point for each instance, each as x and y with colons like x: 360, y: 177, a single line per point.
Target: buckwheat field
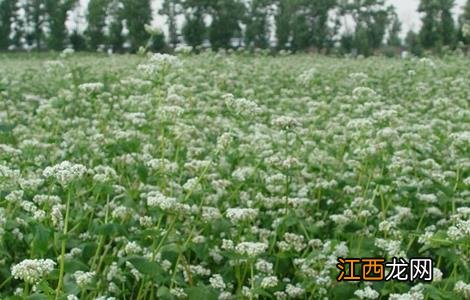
x: 231, y: 176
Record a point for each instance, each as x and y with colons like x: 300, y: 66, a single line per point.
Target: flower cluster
x: 65, y: 172
x: 231, y: 176
x: 32, y: 270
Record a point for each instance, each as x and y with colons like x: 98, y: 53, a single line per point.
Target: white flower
x: 152, y: 30
x: 57, y: 216
x: 391, y: 247
x: 65, y: 172
x: 429, y: 198
x: 178, y: 293
x: 363, y: 92
x: 436, y: 274
x: 67, y: 52
x: 14, y: 196
x: 217, y: 282
x: 264, y: 266
x: 242, y: 106
x: 32, y: 270
x: 158, y: 64
x: 367, y: 293
x: 427, y: 62
x: 415, y: 293
x: 251, y: 249
x: 146, y: 221
x: 157, y: 199
x: 242, y: 173
x: 227, y: 244
x: 466, y: 30
x: 463, y: 289
x: 269, y: 282
x: 103, y: 174
x: 53, y: 65
x: 132, y: 248
x: 225, y: 296
x: 286, y: 123
x: 83, y: 278
x: 210, y: 214
x: 237, y: 215
x: 92, y: 87
x: 292, y: 241
x: 294, y: 291
x: 183, y: 49
x: 224, y: 141
x: 307, y: 76
x: 460, y: 230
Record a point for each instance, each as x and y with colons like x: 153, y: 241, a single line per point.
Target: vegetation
x: 230, y: 176
x: 361, y: 27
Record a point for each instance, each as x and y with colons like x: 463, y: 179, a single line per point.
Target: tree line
x: 348, y: 26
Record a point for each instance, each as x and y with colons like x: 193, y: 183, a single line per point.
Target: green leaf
x: 344, y: 291
x: 89, y: 250
x: 262, y: 292
x: 110, y: 229
x: 201, y: 250
x: 38, y: 297
x: 201, y: 292
x: 73, y: 265
x: 41, y: 239
x: 164, y: 293
x: 149, y: 268
x: 434, y: 293
x: 45, y: 288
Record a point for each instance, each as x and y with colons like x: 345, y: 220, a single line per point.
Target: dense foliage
x: 362, y: 27
x: 230, y: 176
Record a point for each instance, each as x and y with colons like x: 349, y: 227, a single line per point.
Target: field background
x: 231, y: 175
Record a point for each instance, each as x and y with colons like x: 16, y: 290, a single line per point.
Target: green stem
x: 252, y: 281
x: 62, y: 248
x: 101, y: 241
x: 5, y: 282
x: 417, y: 229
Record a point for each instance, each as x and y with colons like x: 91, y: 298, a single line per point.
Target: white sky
x: 406, y: 9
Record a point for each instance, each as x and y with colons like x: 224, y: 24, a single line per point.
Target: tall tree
x: 447, y: 28
x: 7, y: 12
x: 57, y: 15
x: 465, y: 16
x: 194, y: 29
x: 77, y: 40
x: 301, y: 35
x: 394, y: 31
x: 96, y: 21
x: 285, y: 10
x: 257, y: 23
x: 226, y: 19
x: 413, y: 43
x: 17, y: 27
x: 464, y: 26
x: 35, y: 19
x: 371, y: 19
x: 317, y: 13
x: 305, y: 23
x: 170, y: 9
x: 466, y: 12
x: 438, y: 24
x: 138, y: 13
x: 115, y: 16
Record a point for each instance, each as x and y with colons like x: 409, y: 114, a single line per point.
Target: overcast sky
x: 406, y: 10
x: 410, y: 17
